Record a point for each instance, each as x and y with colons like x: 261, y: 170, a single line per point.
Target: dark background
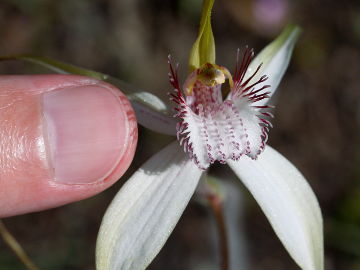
x: 316, y: 123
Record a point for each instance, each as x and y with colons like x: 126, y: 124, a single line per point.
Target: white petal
x: 145, y: 211
x: 152, y: 113
x: 275, y: 59
x: 289, y: 204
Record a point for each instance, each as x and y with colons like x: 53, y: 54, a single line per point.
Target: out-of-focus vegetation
x: 317, y: 119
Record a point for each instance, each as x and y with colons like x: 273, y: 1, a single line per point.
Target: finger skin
x: 27, y: 181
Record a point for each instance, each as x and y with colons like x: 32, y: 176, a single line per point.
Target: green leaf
x: 151, y: 112
x: 203, y: 50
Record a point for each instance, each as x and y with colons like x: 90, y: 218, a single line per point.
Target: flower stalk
x: 15, y: 246
x: 216, y: 205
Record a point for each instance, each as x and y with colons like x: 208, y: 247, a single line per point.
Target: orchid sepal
x: 146, y: 209
x: 288, y: 202
x: 203, y: 50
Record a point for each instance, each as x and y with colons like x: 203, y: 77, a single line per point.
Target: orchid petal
x: 288, y: 202
x: 274, y: 59
x: 146, y: 210
x: 151, y: 112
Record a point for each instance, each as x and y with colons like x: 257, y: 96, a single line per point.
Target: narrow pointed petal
x: 289, y: 204
x: 151, y: 112
x: 274, y: 59
x: 145, y: 211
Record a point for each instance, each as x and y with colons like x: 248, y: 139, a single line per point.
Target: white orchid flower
x: 214, y: 127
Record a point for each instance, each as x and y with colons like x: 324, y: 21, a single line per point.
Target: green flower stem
x: 16, y: 247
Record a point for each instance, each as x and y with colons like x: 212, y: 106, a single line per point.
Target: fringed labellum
x: 214, y: 125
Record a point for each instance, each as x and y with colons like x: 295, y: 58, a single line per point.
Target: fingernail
x: 86, y: 129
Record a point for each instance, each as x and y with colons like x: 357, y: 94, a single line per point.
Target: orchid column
x: 215, y: 125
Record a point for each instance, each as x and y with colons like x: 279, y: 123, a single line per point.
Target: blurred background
x: 316, y: 125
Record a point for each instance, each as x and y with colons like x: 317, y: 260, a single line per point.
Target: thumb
x: 63, y: 138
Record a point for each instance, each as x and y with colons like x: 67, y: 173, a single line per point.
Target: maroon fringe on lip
x: 242, y: 89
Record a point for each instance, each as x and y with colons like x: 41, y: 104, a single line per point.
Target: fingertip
x: 85, y: 136
x: 87, y: 131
